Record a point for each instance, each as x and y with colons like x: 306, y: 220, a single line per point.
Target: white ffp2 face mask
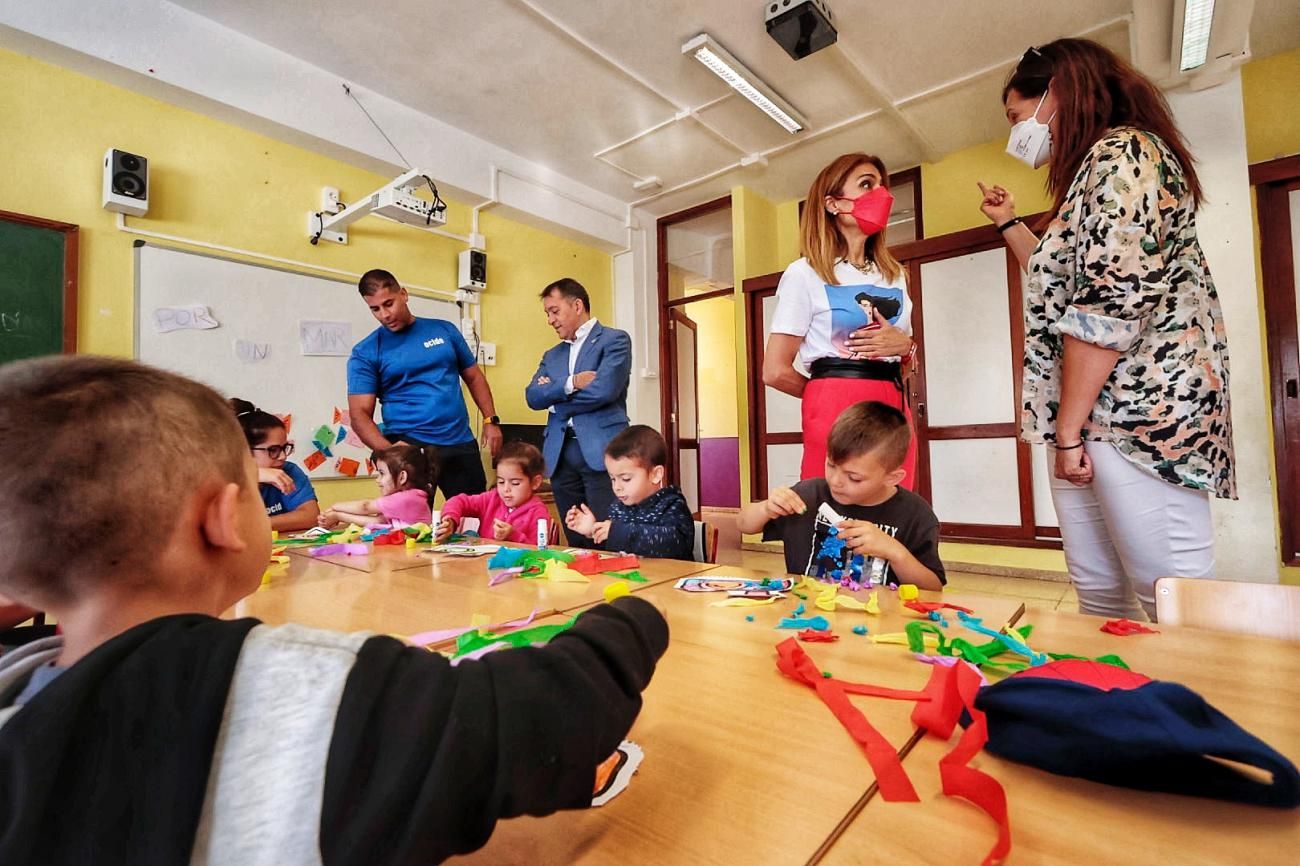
x: 1031, y: 139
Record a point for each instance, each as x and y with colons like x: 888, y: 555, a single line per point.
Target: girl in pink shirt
x: 511, y: 511
x: 406, y: 475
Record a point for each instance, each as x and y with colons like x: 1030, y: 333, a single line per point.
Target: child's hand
x: 783, y: 501
x: 277, y: 478
x: 328, y: 519
x: 445, y: 528
x: 580, y: 519
x: 864, y: 537
x: 600, y: 532
x: 501, y: 530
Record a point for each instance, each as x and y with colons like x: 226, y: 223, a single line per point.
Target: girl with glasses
x: 286, y: 490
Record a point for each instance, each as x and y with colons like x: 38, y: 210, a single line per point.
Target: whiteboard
x: 256, y: 349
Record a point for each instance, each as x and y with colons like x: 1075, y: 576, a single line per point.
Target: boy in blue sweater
x: 648, y: 519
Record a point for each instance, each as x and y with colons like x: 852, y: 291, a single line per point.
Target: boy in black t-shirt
x: 855, y: 524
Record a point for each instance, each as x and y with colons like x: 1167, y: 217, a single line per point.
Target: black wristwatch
x: 493, y: 419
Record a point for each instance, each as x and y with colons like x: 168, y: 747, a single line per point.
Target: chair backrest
x: 1261, y: 609
x: 705, y: 548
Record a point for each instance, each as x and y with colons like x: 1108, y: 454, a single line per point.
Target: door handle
x: 1291, y: 388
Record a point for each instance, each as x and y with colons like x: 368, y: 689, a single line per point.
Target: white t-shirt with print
x: 825, y: 315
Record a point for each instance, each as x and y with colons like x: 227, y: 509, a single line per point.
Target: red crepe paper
x: 817, y: 636
x: 594, y: 563
x: 394, y: 537
x: 1126, y: 627
x: 949, y: 692
x: 1090, y: 673
x: 927, y: 607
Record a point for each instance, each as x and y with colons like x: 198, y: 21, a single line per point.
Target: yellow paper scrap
x: 421, y: 529
x: 557, y: 571
x: 266, y: 577
x: 280, y: 560
x: 616, y: 589
x: 900, y: 638
x: 275, y: 535
x: 873, y: 603
x: 744, y: 602
x: 276, y: 551
x: 352, y: 533
x: 906, y: 592
x: 410, y: 543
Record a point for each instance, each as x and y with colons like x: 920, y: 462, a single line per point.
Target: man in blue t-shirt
x: 414, y: 367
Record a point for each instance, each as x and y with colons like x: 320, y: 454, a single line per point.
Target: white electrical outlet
x: 329, y: 200
x: 487, y: 354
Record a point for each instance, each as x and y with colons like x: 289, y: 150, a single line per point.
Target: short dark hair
x: 569, y: 288
x: 526, y: 455
x: 102, y: 447
x: 642, y: 444
x: 869, y: 427
x: 253, y: 421
x: 375, y: 279
x: 419, y: 462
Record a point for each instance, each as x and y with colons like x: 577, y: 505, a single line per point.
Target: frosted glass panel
x: 783, y: 465
x: 783, y: 412
x: 975, y: 481
x: 688, y: 459
x: 968, y: 373
x: 1044, y: 511
x: 687, y: 419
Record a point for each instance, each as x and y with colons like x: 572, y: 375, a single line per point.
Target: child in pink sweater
x: 511, y: 511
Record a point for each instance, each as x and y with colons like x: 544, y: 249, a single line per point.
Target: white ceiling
x: 575, y: 85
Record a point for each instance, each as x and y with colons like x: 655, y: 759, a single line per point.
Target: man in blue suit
x: 583, y: 384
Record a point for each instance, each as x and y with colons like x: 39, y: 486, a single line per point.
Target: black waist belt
x: 852, y: 368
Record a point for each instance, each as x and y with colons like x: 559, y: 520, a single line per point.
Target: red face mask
x: 871, y: 209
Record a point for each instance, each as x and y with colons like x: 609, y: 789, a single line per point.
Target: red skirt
x: 824, y: 400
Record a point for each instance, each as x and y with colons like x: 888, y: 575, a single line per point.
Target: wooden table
x: 742, y: 765
x: 399, y: 591
x: 1062, y: 820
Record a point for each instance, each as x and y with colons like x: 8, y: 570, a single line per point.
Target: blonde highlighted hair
x: 820, y: 240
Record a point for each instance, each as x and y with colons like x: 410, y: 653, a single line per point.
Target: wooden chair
x: 1261, y: 609
x: 705, y: 548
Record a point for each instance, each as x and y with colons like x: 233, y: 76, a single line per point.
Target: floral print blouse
x: 1120, y: 267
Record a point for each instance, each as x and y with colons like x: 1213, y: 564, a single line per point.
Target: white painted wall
x: 1214, y: 124
x: 636, y: 310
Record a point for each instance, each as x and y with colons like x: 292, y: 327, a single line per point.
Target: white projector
x: 403, y: 207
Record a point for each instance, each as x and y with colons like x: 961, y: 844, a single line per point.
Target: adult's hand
x: 998, y: 204
x: 492, y: 439
x: 583, y: 379
x: 880, y: 340
x: 1074, y: 465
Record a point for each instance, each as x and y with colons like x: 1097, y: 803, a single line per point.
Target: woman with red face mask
x: 842, y: 311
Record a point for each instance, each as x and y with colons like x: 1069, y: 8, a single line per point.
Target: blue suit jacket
x: 599, y: 411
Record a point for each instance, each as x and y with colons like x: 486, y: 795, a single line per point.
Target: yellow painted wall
x: 950, y: 198
x: 716, y: 319
x: 1268, y: 90
x: 215, y: 182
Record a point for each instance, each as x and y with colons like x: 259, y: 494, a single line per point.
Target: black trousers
x: 460, y: 469
x: 574, y: 482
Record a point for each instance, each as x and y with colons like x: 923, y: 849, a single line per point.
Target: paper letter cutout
x: 192, y: 318
x: 325, y: 338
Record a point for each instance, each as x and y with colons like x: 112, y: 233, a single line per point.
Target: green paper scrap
x: 323, y: 435
x: 633, y: 575
x: 475, y: 640
x: 982, y: 655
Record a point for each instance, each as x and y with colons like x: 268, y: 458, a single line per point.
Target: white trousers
x: 1127, y: 529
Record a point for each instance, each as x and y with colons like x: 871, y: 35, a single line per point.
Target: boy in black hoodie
x: 648, y: 519
x: 152, y: 732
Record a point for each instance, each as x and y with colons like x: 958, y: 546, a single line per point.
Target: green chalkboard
x: 38, y: 287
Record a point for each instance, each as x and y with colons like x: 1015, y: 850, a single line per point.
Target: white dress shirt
x: 575, y: 346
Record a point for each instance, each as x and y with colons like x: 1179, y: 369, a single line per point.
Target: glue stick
x: 541, y: 533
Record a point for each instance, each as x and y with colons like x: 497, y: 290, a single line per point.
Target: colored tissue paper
x: 1126, y: 627
x: 558, y: 571
x: 323, y: 435
x: 503, y: 575
x: 928, y: 607
x: 798, y: 611
x: 338, y: 414
x: 634, y: 576
x: 392, y: 537
x: 347, y: 466
x: 351, y: 532
x: 616, y: 589
x: 342, y: 434
x: 507, y: 557
x: 343, y: 549
x: 622, y: 562
x: 313, y: 460
x: 816, y: 623
x: 425, y: 638
x: 817, y: 636
x: 370, y: 466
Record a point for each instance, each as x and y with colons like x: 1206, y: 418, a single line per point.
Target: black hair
x: 888, y: 307
x: 375, y: 279
x: 569, y: 288
x: 419, y: 462
x: 253, y: 421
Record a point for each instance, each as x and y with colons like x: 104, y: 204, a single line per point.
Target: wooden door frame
x: 71, y: 236
x: 677, y: 316
x: 666, y: 366
x: 754, y: 290
x: 1273, y: 181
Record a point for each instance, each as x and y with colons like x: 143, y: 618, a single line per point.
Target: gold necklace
x: 864, y: 268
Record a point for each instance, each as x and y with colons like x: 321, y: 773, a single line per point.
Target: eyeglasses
x: 275, y: 452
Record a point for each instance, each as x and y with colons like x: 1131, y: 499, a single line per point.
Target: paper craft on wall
x: 325, y: 338
x: 347, y: 466
x: 250, y: 352
x: 192, y: 318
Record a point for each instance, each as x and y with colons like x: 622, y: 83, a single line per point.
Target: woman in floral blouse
x: 1126, y: 362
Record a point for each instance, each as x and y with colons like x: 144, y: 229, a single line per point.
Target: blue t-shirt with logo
x: 277, y: 502
x: 415, y: 373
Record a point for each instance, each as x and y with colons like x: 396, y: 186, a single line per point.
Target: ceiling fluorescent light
x: 1198, y: 16
x: 746, y: 83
